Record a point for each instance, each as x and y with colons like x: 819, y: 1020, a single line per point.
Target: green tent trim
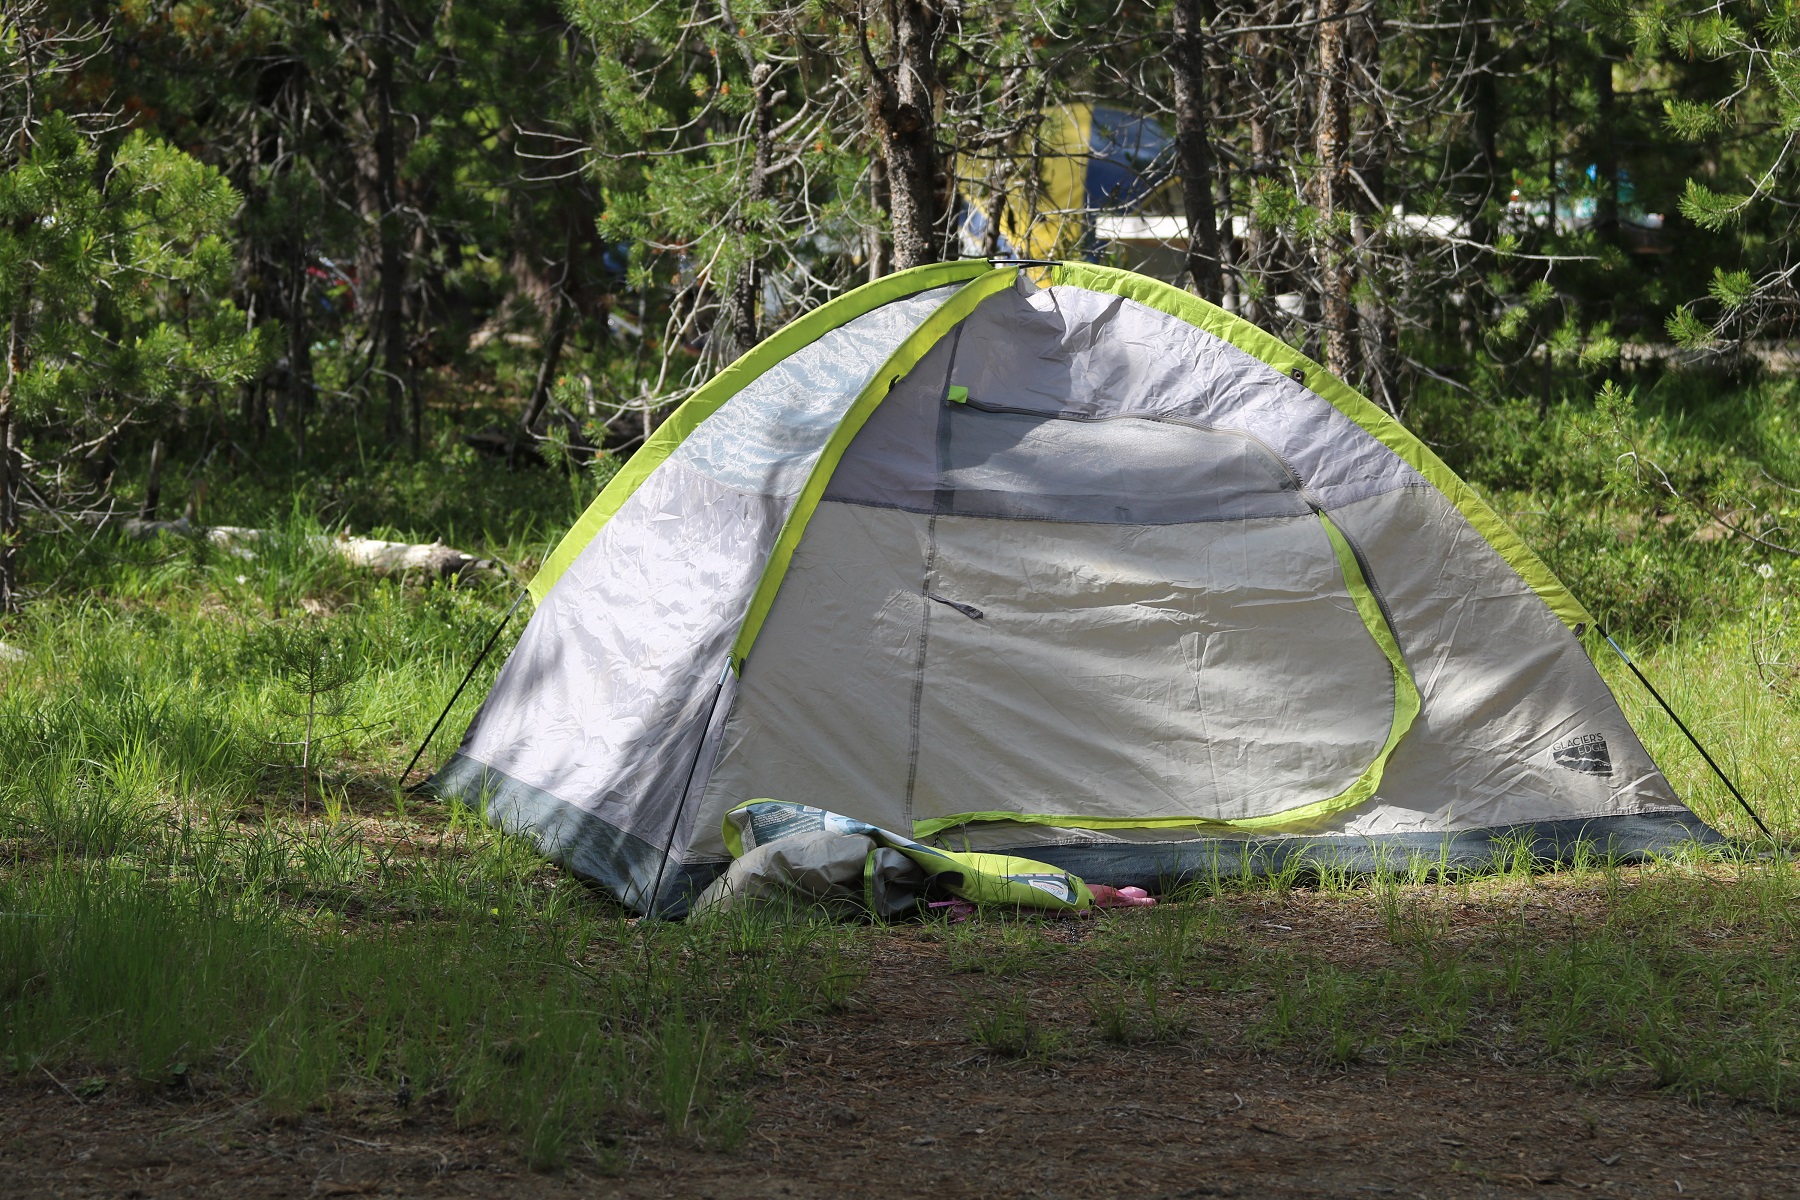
x: 1204, y: 316
x: 1406, y: 710
x: 1383, y: 428
x: 983, y: 281
x: 728, y: 383
x: 904, y: 358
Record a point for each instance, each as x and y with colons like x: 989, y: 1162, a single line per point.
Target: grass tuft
x: 1007, y: 1028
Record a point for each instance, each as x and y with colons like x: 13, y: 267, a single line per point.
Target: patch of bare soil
x: 893, y: 1098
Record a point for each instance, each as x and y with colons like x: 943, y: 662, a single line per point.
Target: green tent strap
x: 1212, y: 319
x: 728, y: 383
x: 1406, y: 710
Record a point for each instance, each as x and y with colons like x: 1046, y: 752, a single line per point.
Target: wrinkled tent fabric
x: 1074, y: 567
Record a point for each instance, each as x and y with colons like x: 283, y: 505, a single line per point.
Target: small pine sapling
x: 317, y: 667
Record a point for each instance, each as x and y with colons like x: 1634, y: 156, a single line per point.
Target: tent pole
x: 1682, y: 725
x: 457, y: 695
x: 681, y: 803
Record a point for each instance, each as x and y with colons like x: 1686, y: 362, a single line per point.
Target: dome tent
x: 1086, y: 571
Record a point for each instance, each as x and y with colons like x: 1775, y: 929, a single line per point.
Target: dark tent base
x: 626, y: 864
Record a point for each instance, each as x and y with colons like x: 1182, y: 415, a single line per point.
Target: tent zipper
x: 1373, y: 584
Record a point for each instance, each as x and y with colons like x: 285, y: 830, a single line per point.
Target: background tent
x: 1093, y: 573
x: 1084, y: 159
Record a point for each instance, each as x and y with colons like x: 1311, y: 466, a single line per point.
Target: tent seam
x: 904, y: 358
x: 712, y: 395
x: 1406, y: 707
x: 1284, y: 359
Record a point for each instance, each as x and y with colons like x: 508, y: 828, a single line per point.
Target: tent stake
x: 457, y: 695
x: 681, y: 803
x: 1682, y: 725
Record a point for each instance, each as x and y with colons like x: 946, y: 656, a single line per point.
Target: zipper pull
x: 967, y: 610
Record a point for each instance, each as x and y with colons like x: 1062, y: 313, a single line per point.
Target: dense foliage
x: 352, y: 252
x: 435, y: 270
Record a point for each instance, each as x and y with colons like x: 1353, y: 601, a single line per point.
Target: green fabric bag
x: 976, y: 877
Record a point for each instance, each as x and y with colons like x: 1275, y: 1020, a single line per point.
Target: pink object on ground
x: 1127, y: 897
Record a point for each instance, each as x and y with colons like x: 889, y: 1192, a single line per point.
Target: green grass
x: 558, y: 1024
x: 172, y: 910
x: 1748, y: 721
x: 171, y: 914
x: 1683, y: 975
x: 177, y: 906
x: 1008, y: 1028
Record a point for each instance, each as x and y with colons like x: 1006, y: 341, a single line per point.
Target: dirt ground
x: 892, y: 1098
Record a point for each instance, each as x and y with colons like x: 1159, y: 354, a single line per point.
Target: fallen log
x: 388, y: 559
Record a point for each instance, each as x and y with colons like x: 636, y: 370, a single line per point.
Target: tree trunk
x: 1378, y: 336
x: 903, y: 99
x: 1606, y: 154
x: 1229, y: 270
x: 253, y: 281
x: 879, y: 262
x: 1485, y: 103
x: 1000, y: 171
x: 1551, y: 145
x: 1193, y: 152
x: 9, y: 458
x: 390, y: 315
x: 546, y: 373
x: 292, y: 391
x: 299, y: 355
x: 429, y: 560
x: 1547, y: 383
x: 756, y: 190
x: 420, y: 270
x: 1377, y: 332
x: 1331, y: 142
x: 1259, y: 244
x: 1230, y: 274
x: 153, y: 485
x: 9, y: 507
x: 996, y: 213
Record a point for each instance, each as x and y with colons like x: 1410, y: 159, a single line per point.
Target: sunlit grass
x: 555, y: 1020
x: 172, y: 909
x: 1751, y: 728
x: 1681, y: 975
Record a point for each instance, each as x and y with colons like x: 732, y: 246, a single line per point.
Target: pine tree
x: 114, y: 269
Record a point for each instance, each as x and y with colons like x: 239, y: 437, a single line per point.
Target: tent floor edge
x: 624, y: 864
x: 1160, y: 867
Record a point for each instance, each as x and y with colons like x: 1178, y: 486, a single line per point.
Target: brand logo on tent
x: 1586, y: 753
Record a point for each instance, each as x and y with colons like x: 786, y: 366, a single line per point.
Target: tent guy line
x: 457, y: 694
x: 1687, y: 733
